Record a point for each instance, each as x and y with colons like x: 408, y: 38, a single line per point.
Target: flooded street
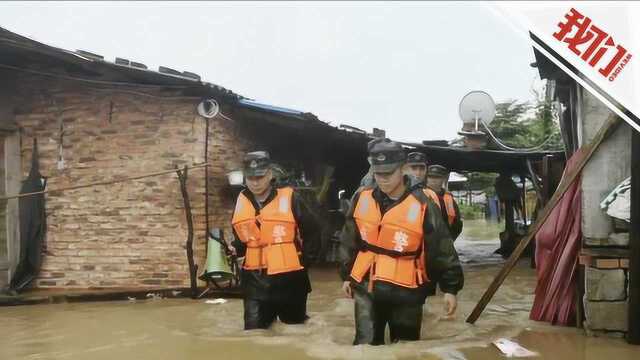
x: 187, y: 329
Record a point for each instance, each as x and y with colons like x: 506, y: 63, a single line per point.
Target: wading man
x: 436, y: 176
x: 278, y: 237
x: 394, y: 248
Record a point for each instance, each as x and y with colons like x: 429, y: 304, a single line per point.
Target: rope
x: 102, y: 183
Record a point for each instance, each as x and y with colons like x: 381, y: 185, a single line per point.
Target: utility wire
x: 101, y: 183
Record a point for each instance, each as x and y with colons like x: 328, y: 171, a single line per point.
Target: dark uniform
x: 284, y: 295
x: 388, y: 303
x: 455, y: 228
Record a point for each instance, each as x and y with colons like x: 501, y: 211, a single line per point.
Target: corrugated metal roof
x: 25, y: 51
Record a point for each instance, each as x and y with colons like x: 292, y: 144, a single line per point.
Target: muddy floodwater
x: 158, y: 329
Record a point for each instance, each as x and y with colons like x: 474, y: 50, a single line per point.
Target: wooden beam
x: 567, y: 179
x: 633, y: 335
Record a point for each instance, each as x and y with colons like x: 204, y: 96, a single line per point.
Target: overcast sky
x: 402, y: 67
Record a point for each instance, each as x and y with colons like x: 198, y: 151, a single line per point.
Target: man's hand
x: 346, y: 288
x: 450, y: 305
x: 232, y: 249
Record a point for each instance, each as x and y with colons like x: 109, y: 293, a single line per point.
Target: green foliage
x: 471, y: 211
x: 524, y: 125
x: 481, y: 181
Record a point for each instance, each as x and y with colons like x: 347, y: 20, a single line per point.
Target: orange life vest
x: 270, y: 236
x: 449, y: 207
x: 448, y: 204
x: 393, y: 248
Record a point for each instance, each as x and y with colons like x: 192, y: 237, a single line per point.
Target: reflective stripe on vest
x: 450, y: 208
x: 394, y: 250
x: 270, y: 236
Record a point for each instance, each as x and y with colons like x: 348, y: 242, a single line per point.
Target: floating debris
x: 154, y: 296
x: 512, y: 349
x: 216, y: 301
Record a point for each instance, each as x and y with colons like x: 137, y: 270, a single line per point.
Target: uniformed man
x: 436, y: 176
x: 417, y: 163
x: 394, y: 248
x: 278, y: 237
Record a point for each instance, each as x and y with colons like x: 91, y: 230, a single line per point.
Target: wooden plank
x: 606, y: 252
x: 567, y: 179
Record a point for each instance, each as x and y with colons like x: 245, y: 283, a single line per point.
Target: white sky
x: 402, y: 67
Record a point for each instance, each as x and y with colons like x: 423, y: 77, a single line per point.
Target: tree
x: 522, y: 125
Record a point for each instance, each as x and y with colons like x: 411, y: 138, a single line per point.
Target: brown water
x: 187, y: 329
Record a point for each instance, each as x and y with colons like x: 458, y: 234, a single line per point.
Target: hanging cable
x: 503, y: 146
x: 225, y: 116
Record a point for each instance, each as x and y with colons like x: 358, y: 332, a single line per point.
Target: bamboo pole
x: 568, y: 179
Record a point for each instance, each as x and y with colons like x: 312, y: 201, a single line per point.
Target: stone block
x: 605, y: 285
x: 619, y: 239
x: 606, y: 315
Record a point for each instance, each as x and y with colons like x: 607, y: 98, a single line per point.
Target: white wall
x: 606, y: 169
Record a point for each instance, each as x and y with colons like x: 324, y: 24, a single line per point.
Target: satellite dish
x: 475, y: 107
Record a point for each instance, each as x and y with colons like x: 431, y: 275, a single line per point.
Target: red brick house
x: 96, y: 120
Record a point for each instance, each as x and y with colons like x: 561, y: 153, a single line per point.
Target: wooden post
x: 524, y: 199
x: 536, y: 184
x: 567, y: 179
x: 546, y: 179
x: 633, y: 335
x: 193, y: 268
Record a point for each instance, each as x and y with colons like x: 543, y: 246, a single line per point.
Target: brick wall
x: 130, y: 234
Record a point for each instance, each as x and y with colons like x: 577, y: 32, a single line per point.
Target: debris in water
x: 131, y: 298
x: 176, y: 292
x: 154, y: 296
x: 512, y: 349
x: 216, y: 301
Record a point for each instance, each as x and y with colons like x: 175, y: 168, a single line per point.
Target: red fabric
x: 557, y: 250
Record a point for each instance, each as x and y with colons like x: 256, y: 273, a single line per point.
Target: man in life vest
x: 278, y: 237
x: 394, y: 248
x: 417, y: 163
x: 436, y: 175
